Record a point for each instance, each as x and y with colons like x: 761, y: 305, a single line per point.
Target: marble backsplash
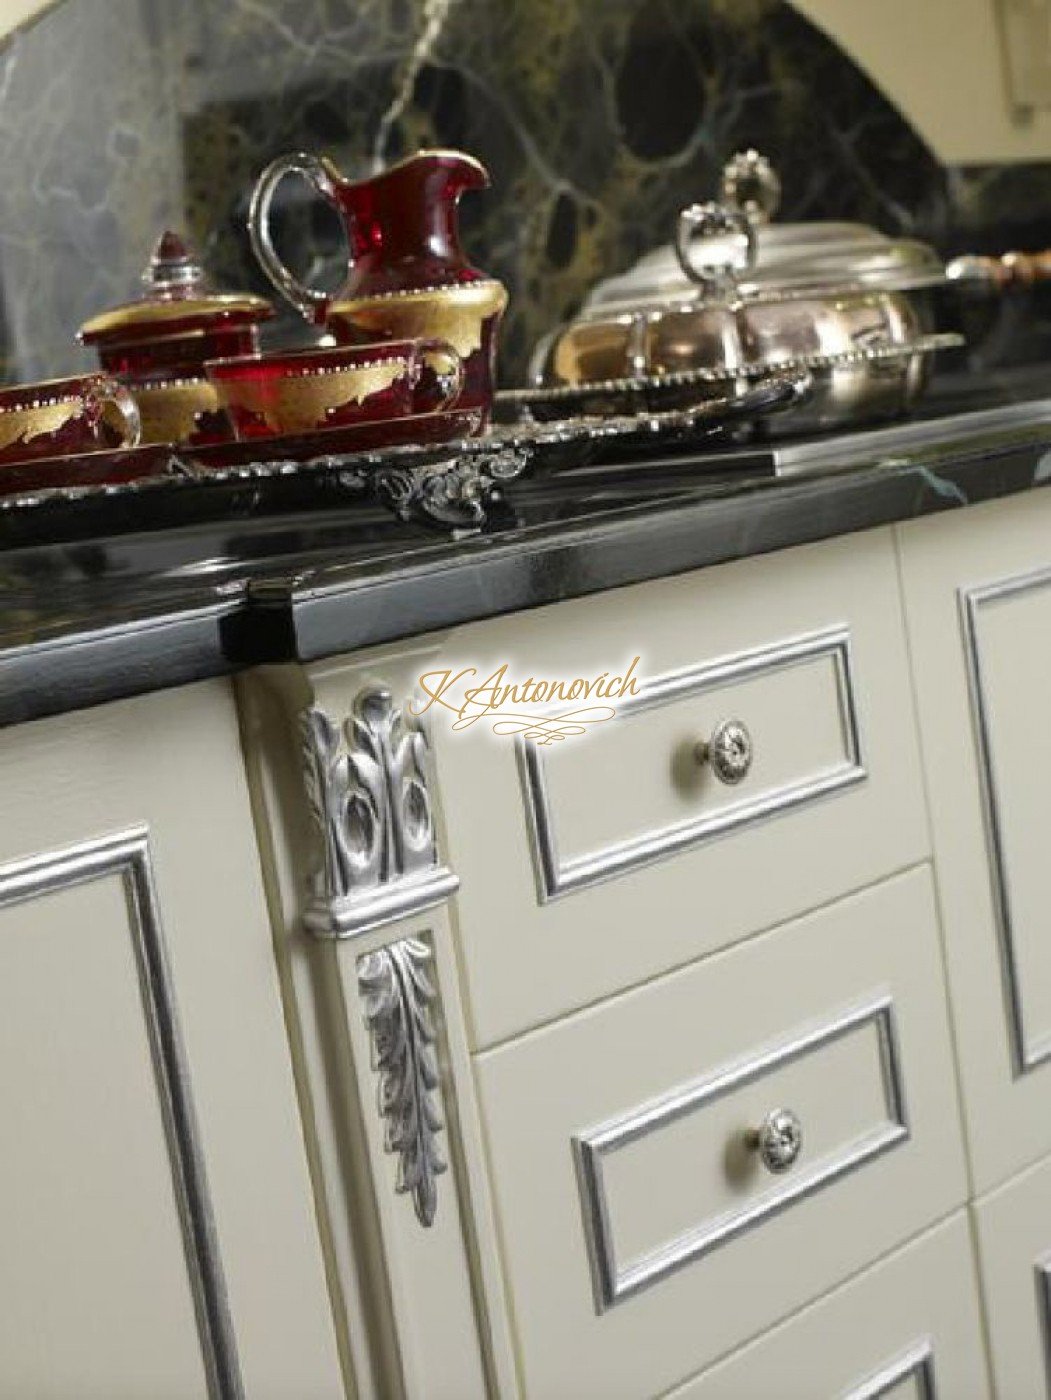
x: 598, y: 120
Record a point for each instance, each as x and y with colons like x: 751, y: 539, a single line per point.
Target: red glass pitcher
x: 407, y: 276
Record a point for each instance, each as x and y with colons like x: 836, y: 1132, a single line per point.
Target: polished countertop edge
x: 318, y: 614
x: 296, y: 611
x: 91, y: 666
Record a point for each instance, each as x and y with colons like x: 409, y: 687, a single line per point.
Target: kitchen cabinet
x: 623, y: 967
x: 156, y: 1211
x: 347, y: 1053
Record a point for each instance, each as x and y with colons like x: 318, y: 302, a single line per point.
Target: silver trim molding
x: 557, y: 875
x: 917, y: 1363
x: 1026, y: 1054
x: 398, y: 994
x: 371, y: 802
x: 613, y: 1281
x: 1043, y: 1300
x: 126, y: 855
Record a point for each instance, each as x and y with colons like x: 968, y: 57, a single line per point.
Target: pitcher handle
x: 323, y: 177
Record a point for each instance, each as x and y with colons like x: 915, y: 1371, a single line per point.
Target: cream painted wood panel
x: 806, y: 647
x: 131, y: 913
x: 908, y: 1328
x: 978, y: 600
x: 97, y: 1297
x: 1013, y: 1226
x: 422, y: 1305
x: 625, y: 1276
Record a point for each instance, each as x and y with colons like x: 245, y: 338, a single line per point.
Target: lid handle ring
x: 322, y: 175
x: 702, y: 222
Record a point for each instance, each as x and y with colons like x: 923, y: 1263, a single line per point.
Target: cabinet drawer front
x: 843, y: 1080
x: 909, y: 1328
x: 585, y: 842
x: 643, y: 1238
x: 796, y: 701
x: 1013, y: 1225
x: 978, y: 598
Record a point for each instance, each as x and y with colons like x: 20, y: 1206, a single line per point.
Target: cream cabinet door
x: 978, y: 603
x: 158, y: 1233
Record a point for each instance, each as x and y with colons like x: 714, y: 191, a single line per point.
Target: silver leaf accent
x: 369, y: 794
x: 398, y: 994
x: 326, y: 776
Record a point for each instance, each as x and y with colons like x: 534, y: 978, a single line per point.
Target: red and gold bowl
x: 62, y: 417
x: 310, y: 390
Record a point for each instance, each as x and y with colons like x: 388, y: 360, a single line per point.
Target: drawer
x: 978, y: 596
x: 800, y: 743
x: 643, y: 1237
x: 616, y: 854
x: 909, y: 1328
x: 1013, y: 1225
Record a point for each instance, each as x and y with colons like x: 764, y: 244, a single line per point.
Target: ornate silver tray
x: 453, y: 486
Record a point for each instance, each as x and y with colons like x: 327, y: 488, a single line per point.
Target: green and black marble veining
x: 598, y: 120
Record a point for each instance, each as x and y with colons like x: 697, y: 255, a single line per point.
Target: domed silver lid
x: 767, y: 260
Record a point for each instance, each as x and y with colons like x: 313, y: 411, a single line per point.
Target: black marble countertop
x: 87, y: 621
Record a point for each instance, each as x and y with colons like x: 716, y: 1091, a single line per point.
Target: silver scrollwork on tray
x: 458, y: 493
x: 398, y: 995
x: 369, y: 793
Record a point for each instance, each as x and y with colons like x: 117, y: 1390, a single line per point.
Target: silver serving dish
x: 736, y: 296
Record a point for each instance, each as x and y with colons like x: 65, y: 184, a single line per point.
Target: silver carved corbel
x: 368, y: 790
x: 398, y: 994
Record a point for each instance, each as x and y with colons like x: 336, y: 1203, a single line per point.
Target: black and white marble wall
x: 598, y: 120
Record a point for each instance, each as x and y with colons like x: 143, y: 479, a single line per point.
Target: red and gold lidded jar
x: 158, y: 344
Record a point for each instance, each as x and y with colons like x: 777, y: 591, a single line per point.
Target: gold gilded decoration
x: 497, y: 701
x: 37, y: 419
x: 178, y: 309
x: 298, y: 402
x: 169, y: 407
x: 454, y: 314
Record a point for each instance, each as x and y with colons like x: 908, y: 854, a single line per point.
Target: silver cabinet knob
x: 729, y: 751
x: 778, y: 1140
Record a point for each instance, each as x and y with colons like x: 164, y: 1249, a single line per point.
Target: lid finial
x: 173, y: 269
x: 750, y: 184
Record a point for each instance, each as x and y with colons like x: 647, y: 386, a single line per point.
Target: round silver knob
x: 729, y: 751
x: 778, y: 1140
